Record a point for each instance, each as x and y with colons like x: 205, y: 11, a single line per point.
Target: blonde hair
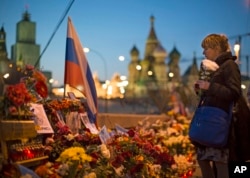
x: 216, y: 40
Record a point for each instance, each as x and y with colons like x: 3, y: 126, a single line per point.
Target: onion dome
x: 134, y: 51
x: 175, y: 53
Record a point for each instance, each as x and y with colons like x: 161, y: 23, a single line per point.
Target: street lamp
x: 133, y: 81
x: 87, y: 50
x: 237, y: 51
x: 171, y: 76
x: 138, y: 67
x: 238, y: 45
x: 121, y: 58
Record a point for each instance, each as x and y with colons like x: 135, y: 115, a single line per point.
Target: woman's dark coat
x: 225, y: 84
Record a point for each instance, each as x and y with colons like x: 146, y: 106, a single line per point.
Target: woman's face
x: 210, y: 53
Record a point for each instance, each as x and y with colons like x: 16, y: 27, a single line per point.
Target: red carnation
x: 41, y: 88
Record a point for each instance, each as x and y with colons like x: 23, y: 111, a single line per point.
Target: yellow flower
x: 74, y: 153
x: 139, y: 158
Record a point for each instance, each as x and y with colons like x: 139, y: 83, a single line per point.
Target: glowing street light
x: 121, y: 58
x: 138, y: 67
x: 237, y: 51
x: 6, y: 75
x: 171, y: 74
x: 150, y: 73
x: 237, y: 45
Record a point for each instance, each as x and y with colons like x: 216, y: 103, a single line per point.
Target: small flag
x: 77, y: 71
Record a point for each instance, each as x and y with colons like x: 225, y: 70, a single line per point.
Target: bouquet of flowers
x: 74, y: 162
x: 31, y: 88
x: 208, y: 67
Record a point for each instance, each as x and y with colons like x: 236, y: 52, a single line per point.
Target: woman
x: 222, y: 87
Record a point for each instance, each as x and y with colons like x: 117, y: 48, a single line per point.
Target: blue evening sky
x: 112, y: 27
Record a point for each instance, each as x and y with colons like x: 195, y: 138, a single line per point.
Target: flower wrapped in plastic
x: 207, y: 68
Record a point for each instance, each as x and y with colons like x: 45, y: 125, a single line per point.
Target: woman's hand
x: 201, y: 84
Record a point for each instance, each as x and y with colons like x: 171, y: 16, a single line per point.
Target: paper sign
x: 41, y: 121
x: 104, y: 135
x: 121, y: 130
x: 85, y: 120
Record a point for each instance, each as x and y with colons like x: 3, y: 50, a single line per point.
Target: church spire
x: 152, y: 35
x: 26, y: 16
x: 3, y: 51
x: 152, y: 41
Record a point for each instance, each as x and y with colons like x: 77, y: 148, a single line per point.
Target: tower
x: 152, y: 74
x: 148, y: 60
x: 4, y: 61
x: 133, y: 73
x: 135, y: 61
x: 3, y: 51
x: 160, y: 67
x: 174, y: 68
x: 9, y: 73
x: 25, y: 50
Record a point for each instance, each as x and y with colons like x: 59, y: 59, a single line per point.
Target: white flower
x: 105, y: 151
x: 209, y: 65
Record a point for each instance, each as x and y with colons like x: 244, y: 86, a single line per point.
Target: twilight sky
x: 112, y: 27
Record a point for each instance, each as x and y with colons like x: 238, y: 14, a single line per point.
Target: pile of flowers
x: 31, y: 88
x: 161, y: 149
x: 63, y: 106
x: 172, y: 136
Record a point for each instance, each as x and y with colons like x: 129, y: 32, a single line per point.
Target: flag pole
x: 77, y: 71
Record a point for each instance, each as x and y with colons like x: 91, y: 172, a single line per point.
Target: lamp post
x: 87, y: 50
x: 133, y: 84
x: 237, y: 51
x: 238, y: 45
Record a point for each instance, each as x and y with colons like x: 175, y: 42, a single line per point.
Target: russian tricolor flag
x: 77, y: 71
